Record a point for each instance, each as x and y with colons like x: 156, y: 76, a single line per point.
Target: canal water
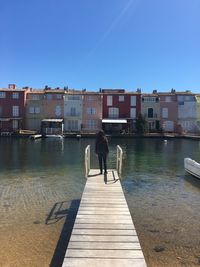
x: 41, y: 183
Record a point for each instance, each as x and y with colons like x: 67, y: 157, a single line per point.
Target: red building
x: 12, y: 108
x: 120, y: 110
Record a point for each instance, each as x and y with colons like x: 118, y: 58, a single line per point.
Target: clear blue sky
x: 148, y: 44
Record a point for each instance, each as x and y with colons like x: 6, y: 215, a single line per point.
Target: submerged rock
x: 36, y: 222
x: 159, y: 248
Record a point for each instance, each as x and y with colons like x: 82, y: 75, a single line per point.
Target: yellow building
x: 150, y: 109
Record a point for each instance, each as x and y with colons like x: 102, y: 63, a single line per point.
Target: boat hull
x: 53, y: 136
x: 192, y: 167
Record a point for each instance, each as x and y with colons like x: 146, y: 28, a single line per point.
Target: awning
x: 114, y: 121
x: 53, y: 120
x: 5, y: 119
x: 9, y: 119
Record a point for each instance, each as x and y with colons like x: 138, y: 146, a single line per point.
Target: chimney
x: 139, y: 90
x: 12, y: 86
x: 154, y: 91
x: 25, y: 87
x: 173, y: 90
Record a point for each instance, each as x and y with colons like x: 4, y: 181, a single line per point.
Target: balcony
x: 72, y: 114
x: 151, y: 116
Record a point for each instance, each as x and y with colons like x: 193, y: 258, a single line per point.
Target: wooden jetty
x: 103, y: 234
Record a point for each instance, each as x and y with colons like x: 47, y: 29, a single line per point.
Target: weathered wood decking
x: 103, y: 234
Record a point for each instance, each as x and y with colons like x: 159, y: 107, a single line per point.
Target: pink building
x: 12, y: 108
x: 92, y: 112
x: 53, y: 104
x: 168, y: 111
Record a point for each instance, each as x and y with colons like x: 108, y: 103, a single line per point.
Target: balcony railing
x: 77, y: 114
x: 151, y: 116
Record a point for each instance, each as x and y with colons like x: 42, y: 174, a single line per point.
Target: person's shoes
x: 105, y: 172
x: 101, y: 172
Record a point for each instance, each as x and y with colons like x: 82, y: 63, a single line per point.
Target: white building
x: 73, y: 106
x: 187, y: 111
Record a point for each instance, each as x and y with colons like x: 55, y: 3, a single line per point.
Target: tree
x: 141, y: 125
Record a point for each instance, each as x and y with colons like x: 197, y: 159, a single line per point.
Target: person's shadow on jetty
x: 57, y: 213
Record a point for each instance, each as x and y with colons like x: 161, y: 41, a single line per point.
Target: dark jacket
x: 101, y: 145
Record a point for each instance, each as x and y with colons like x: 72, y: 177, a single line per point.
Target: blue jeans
x: 102, y: 161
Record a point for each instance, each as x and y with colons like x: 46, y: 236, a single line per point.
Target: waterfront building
x: 53, y: 104
x: 92, y: 112
x: 73, y: 107
x: 186, y: 111
x: 168, y: 111
x: 34, y: 110
x: 150, y: 109
x: 43, y: 108
x: 53, y: 111
x: 12, y: 108
x: 120, y: 110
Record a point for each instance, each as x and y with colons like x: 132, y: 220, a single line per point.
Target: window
x: 168, y: 99
x: 73, y: 111
x: 15, y: 124
x: 91, y: 111
x: 180, y: 98
x: 90, y: 97
x: 58, y: 111
x: 109, y: 100
x: 1, y: 111
x: 133, y: 113
x: 121, y: 98
x: 31, y: 110
x: 150, y: 113
x: 92, y: 124
x: 165, y: 113
x: 74, y: 97
x: 2, y: 94
x: 15, y: 95
x: 133, y: 100
x: 149, y: 99
x: 37, y: 110
x: 15, y: 111
x: 49, y: 96
x: 73, y: 125
x: 34, y: 110
x: 59, y: 96
x: 113, y: 113
x: 189, y: 98
x: 35, y: 97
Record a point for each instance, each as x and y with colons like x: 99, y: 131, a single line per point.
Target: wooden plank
x: 104, y: 245
x: 103, y: 226
x: 104, y: 238
x: 104, y: 253
x: 85, y: 262
x: 103, y: 232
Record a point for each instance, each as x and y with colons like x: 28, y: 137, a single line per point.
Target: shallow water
x: 41, y: 183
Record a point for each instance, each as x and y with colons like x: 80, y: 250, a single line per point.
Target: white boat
x: 192, y: 167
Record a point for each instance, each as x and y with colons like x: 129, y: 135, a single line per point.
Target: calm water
x: 41, y: 183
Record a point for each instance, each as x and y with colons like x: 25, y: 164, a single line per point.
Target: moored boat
x: 192, y: 167
x: 53, y: 136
